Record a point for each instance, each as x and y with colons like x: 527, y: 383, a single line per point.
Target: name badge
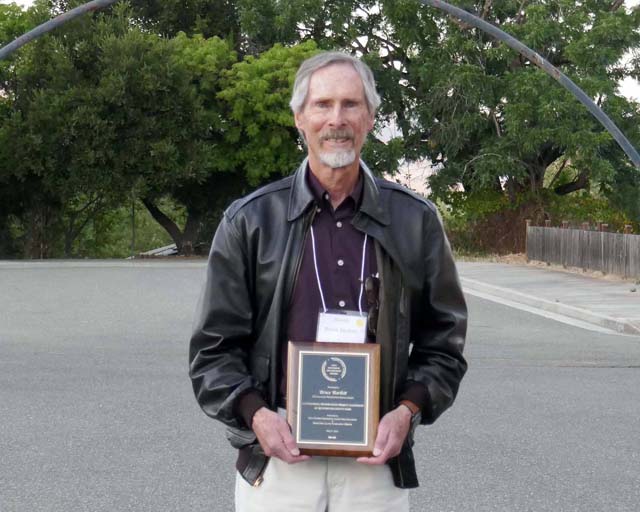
x: 342, y: 327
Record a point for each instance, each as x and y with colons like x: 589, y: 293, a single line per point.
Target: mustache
x: 337, y: 134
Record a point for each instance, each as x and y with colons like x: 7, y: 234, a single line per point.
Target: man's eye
x: 322, y: 104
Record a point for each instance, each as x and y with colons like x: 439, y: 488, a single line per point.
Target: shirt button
x: 326, y: 196
x: 342, y: 303
x: 339, y: 224
x: 318, y: 210
x: 340, y: 263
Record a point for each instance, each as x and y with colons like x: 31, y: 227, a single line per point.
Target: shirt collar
x: 301, y: 196
x: 320, y: 193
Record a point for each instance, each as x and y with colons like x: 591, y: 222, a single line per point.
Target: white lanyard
x: 315, y: 264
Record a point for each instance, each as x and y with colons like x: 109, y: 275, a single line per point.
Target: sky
x: 628, y: 87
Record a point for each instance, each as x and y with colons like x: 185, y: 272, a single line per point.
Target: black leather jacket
x: 241, y: 319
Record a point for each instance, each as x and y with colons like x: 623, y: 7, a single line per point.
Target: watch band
x: 411, y: 406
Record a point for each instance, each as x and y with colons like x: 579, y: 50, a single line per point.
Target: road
x: 97, y: 412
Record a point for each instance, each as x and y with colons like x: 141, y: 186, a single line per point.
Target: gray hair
x: 322, y: 60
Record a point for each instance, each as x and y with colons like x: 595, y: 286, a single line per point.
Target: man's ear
x: 298, y: 119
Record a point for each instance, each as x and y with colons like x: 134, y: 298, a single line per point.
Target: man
x: 308, y: 244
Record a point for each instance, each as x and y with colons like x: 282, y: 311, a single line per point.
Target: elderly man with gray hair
x: 330, y: 239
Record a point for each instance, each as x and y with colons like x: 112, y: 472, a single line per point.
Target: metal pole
x: 133, y: 226
x: 547, y: 67
x: 53, y: 24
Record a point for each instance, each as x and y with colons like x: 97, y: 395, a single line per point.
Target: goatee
x: 337, y: 159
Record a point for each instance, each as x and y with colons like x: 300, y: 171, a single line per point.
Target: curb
x: 615, y: 324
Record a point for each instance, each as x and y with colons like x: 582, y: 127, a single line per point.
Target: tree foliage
x: 208, y: 18
x: 492, y: 120
x: 103, y: 111
x: 186, y: 103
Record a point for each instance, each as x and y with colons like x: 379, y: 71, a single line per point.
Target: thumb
x: 381, y: 440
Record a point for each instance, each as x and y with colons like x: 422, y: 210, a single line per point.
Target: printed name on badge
x: 342, y: 327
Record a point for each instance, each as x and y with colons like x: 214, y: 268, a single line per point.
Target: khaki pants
x: 333, y: 484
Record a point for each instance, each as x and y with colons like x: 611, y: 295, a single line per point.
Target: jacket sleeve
x: 222, y: 333
x: 438, y: 326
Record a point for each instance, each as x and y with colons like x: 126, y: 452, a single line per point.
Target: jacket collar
x: 301, y: 196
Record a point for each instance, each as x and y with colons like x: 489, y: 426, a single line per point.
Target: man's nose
x: 337, y: 116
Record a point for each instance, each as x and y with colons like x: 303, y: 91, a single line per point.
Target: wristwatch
x: 416, y: 414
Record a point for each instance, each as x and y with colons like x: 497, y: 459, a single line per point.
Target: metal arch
x: 53, y: 24
x: 547, y: 67
x: 461, y: 14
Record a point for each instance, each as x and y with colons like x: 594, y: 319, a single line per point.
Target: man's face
x: 335, y: 119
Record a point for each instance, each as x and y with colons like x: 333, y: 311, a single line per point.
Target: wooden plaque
x: 333, y: 392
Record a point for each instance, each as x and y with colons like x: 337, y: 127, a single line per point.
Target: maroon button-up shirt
x: 339, y: 255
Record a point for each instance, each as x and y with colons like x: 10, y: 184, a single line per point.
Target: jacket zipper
x: 308, y: 221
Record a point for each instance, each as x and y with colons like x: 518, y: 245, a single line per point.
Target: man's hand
x: 274, y: 435
x: 392, y: 431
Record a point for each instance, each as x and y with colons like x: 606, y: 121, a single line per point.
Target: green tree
x: 492, y: 120
x: 482, y: 115
x: 19, y: 191
x: 208, y: 18
x: 358, y: 27
x: 186, y: 119
x: 53, y: 158
x: 188, y: 101
x: 162, y: 138
x: 102, y: 110
x: 259, y: 129
x: 14, y: 22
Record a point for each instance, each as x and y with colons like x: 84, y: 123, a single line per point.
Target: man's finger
x: 391, y: 449
x: 392, y: 432
x: 288, y: 451
x: 290, y: 459
x: 376, y: 459
x: 288, y: 440
x: 372, y: 461
x: 267, y: 430
x: 381, y: 440
x: 379, y: 447
x: 272, y: 444
x: 275, y: 437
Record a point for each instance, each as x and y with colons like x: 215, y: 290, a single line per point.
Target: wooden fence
x: 609, y: 253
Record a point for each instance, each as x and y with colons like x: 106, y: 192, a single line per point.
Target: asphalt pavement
x: 97, y: 411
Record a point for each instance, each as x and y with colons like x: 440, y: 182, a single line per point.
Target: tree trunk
x: 191, y: 231
x: 168, y: 225
x: 39, y: 229
x: 184, y: 240
x: 536, y: 177
x: 68, y: 243
x: 511, y: 187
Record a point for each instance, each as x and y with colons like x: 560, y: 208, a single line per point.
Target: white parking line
x: 541, y: 312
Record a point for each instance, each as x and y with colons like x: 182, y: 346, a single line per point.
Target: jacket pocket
x: 239, y: 438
